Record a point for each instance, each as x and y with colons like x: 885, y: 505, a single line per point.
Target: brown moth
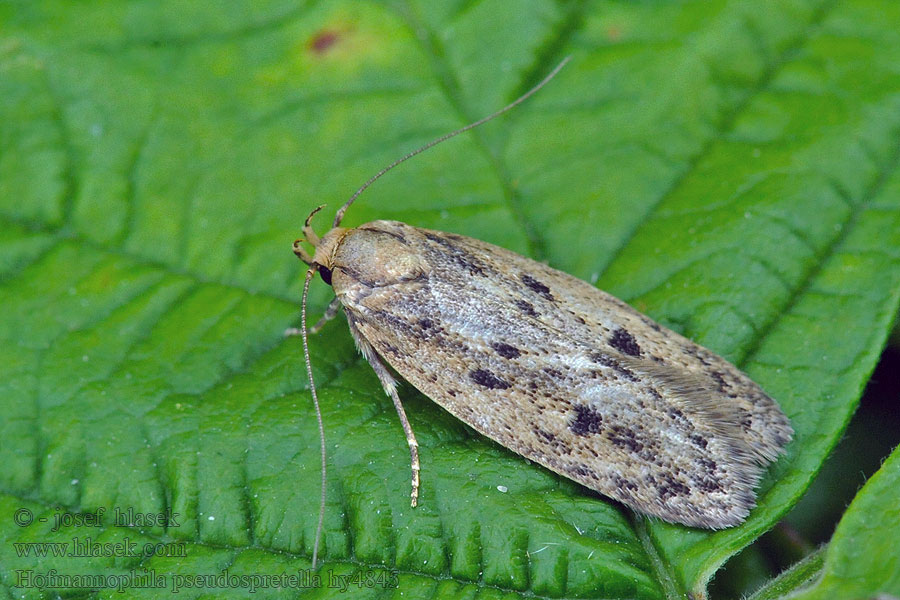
x: 551, y: 367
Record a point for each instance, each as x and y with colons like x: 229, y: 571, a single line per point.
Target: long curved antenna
x: 312, y: 386
x: 339, y: 216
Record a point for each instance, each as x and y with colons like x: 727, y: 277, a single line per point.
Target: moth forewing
x: 559, y: 371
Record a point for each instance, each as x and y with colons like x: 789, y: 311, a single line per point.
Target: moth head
x: 321, y: 260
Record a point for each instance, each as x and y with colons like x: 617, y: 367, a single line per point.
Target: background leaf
x: 861, y: 559
x: 730, y: 168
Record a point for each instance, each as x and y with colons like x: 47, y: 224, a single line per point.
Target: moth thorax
x: 326, y: 247
x: 377, y: 258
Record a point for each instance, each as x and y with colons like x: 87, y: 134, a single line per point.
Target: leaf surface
x: 729, y: 168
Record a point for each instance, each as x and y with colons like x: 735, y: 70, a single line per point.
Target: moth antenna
x: 312, y: 386
x: 338, y: 217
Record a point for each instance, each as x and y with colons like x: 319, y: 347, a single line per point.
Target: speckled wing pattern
x: 570, y: 377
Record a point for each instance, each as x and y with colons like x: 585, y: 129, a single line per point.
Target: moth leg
x: 331, y: 312
x: 390, y: 387
x: 387, y: 381
x: 302, y: 254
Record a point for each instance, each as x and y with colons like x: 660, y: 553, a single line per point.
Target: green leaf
x: 730, y: 168
x: 861, y: 559
x: 798, y: 575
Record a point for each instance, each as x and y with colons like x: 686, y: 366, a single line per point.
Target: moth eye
x: 325, y: 273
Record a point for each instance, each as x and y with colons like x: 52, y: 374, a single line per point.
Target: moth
x: 548, y: 366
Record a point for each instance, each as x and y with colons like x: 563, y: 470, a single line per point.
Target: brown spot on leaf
x: 323, y: 40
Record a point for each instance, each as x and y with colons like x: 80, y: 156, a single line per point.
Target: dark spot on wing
x: 581, y: 471
x: 709, y: 485
x: 544, y: 434
x: 601, y: 359
x: 356, y: 276
x: 625, y: 438
x: 708, y: 464
x: 558, y: 446
x: 553, y: 373
x: 459, y: 257
x: 650, y: 323
x: 670, y: 487
x: 698, y: 441
x: 719, y: 378
x: 395, y: 323
x: 536, y: 286
x: 698, y: 353
x: 682, y: 420
x: 487, y: 379
x: 624, y: 342
x: 397, y: 236
x: 587, y: 420
x: 426, y: 323
x: 608, y: 361
x: 505, y: 350
x: 526, y: 307
x: 624, y: 484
